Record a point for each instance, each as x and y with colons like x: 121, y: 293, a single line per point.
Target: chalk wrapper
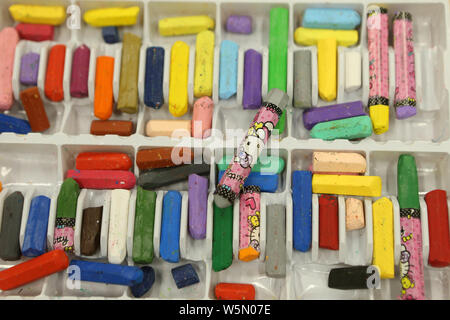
x: 266, y: 119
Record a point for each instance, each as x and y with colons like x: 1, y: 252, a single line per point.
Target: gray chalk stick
x: 302, y: 79
x: 10, y: 230
x: 276, y: 241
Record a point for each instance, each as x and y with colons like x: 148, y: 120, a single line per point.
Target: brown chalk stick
x: 119, y: 127
x: 90, y: 230
x: 162, y: 157
x: 34, y: 107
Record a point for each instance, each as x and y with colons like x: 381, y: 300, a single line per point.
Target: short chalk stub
x: 184, y: 276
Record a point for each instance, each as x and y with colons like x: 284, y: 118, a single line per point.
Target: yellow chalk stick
x: 383, y: 237
x: 366, y: 186
x: 184, y: 25
x: 326, y: 65
x: 105, y: 17
x: 310, y: 37
x: 379, y: 114
x: 178, y: 83
x: 204, y: 63
x: 53, y: 15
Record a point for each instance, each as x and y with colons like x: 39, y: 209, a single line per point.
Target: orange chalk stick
x: 53, y: 87
x: 34, y: 269
x: 103, y: 97
x: 34, y: 107
x: 103, y: 161
x: 234, y: 291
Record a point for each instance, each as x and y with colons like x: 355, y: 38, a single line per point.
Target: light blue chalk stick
x: 35, y: 240
x: 331, y: 18
x: 229, y: 51
x: 267, y: 182
x: 169, y: 247
x: 350, y: 128
x: 302, y: 207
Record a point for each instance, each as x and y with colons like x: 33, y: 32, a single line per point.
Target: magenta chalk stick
x: 80, y: 72
x: 103, y: 179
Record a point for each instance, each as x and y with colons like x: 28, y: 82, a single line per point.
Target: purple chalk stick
x: 29, y: 67
x: 313, y: 116
x: 405, y: 112
x: 252, y: 79
x: 80, y: 72
x: 198, y: 205
x: 239, y: 24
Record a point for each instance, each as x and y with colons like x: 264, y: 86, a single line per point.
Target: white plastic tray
x: 36, y: 163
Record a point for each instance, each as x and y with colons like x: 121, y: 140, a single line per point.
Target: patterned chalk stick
x: 154, y: 76
x: 198, y: 205
x: 185, y: 275
x: 169, y: 248
x: 252, y: 79
x: 143, y: 226
x: 29, y: 67
x: 249, y: 226
x: 35, y: 240
x: 10, y: 229
x: 229, y: 52
x: 276, y: 241
x: 302, y: 209
x: 265, y: 181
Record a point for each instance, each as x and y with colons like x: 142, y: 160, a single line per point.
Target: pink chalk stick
x: 103, y: 179
x: 9, y: 37
x: 249, y: 210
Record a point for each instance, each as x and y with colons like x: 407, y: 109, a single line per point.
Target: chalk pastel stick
x: 234, y: 291
x: 154, y: 76
x: 35, y: 32
x: 349, y: 278
x: 114, y: 16
x: 143, y: 226
x: 110, y: 34
x: 118, y: 225
x: 13, y: 124
x: 204, y: 64
x: 8, y: 41
x: 266, y: 182
x: 177, y: 26
x: 168, y: 128
x: 267, y: 164
x: 278, y: 48
x: 91, y: 230
x: 302, y: 79
x: 35, y: 239
x: 249, y: 224
x: 169, y: 247
x: 252, y: 79
x: 342, y: 162
x: 10, y: 229
x: 140, y: 289
x: 29, y: 67
x: 80, y: 72
x: 198, y: 205
x: 328, y: 222
x: 331, y: 18
x: 276, y: 241
x: 34, y: 107
x: 53, y: 87
x: 350, y: 128
x: 103, y: 161
x: 222, y: 248
x: 302, y: 209
x: 103, y: 179
x: 103, y: 97
x: 229, y: 52
x: 366, y: 186
x: 354, y: 214
x: 178, y: 83
x: 163, y: 157
x: 202, y: 118
x: 53, y: 15
x: 117, y: 127
x: 239, y: 24
x: 184, y: 276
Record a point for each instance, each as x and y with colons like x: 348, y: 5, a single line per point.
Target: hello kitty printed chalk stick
x: 249, y: 211
x: 266, y: 119
x: 405, y: 77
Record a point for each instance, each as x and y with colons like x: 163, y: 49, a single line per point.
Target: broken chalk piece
x: 349, y: 278
x: 249, y: 225
x: 118, y: 127
x: 9, y: 38
x: 160, y: 177
x: 53, y: 15
x: 140, y: 289
x: 110, y: 34
x: 352, y: 70
x: 276, y: 241
x: 302, y: 210
x: 104, y: 17
x: 10, y: 229
x: 252, y: 80
x: 163, y: 157
x: 54, y: 75
x: 178, y: 82
x: 204, y: 64
x: 198, y: 205
x: 33, y: 269
x: 118, y: 226
x: 265, y: 181
x: 177, y: 26
x: 383, y: 237
x: 438, y: 228
x: 342, y: 162
x: 35, y: 32
x: 108, y: 273
x: 154, y: 76
x: 144, y: 222
x: 234, y: 291
x: 302, y: 79
x: 331, y: 18
x: 313, y: 116
x: 80, y: 72
x: 202, y: 118
x: 103, y: 96
x: 350, y: 128
x: 328, y: 222
x: 168, y: 128
x: 366, y: 186
x: 103, y: 179
x: 354, y: 214
x: 29, y: 67
x: 222, y: 247
x: 34, y: 107
x: 103, y: 161
x: 229, y: 55
x: 185, y: 275
x: 169, y: 247
x: 35, y: 239
x: 239, y: 24
x: 90, y: 230
x: 12, y: 124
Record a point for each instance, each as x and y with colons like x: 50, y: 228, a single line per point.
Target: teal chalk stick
x: 331, y: 18
x: 228, y: 69
x: 349, y: 128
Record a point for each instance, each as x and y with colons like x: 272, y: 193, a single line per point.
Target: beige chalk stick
x: 345, y: 162
x: 168, y: 128
x: 354, y: 214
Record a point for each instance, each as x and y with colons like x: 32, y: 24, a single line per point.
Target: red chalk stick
x: 34, y: 269
x: 103, y: 179
x: 438, y: 228
x: 55, y: 72
x: 328, y: 222
x: 103, y: 161
x: 234, y: 291
x: 35, y: 32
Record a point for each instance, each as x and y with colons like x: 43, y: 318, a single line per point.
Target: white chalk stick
x: 352, y: 70
x: 118, y: 225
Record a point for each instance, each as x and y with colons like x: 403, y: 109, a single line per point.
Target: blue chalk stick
x: 108, y: 273
x: 185, y: 275
x: 35, y: 240
x: 110, y: 34
x: 302, y: 207
x: 331, y: 18
x: 138, y: 290
x: 169, y: 247
x: 12, y: 124
x: 154, y: 75
x: 229, y: 52
x: 265, y: 181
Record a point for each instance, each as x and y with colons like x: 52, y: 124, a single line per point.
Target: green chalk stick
x: 349, y: 128
x: 407, y: 182
x: 281, y: 125
x: 67, y: 199
x: 143, y: 226
x: 268, y: 164
x: 222, y: 251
